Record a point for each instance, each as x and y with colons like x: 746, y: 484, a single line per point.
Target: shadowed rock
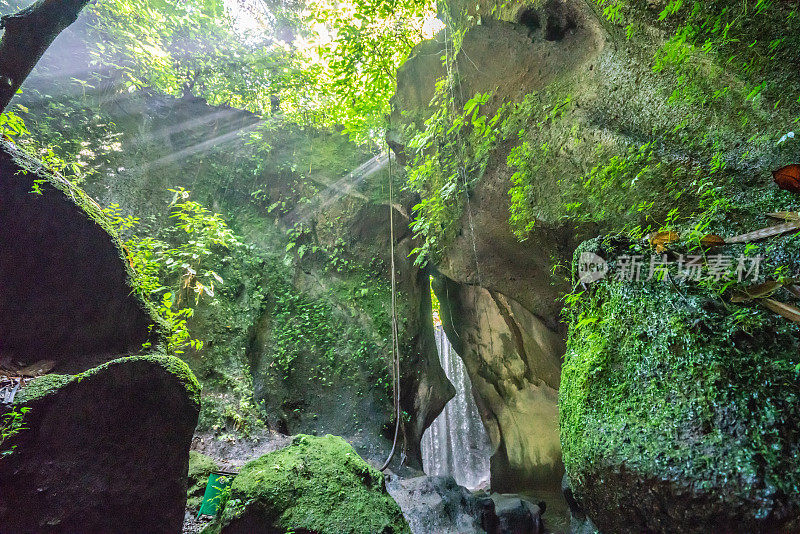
x: 66, y: 293
x: 102, y: 451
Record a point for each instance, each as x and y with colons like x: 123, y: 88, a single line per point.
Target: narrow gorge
x: 397, y: 266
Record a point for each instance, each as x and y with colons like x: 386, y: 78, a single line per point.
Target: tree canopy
x: 327, y: 62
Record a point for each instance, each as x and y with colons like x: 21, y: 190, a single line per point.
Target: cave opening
x: 530, y: 19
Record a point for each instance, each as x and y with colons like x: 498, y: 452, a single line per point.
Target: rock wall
x: 609, y: 118
x: 311, y: 211
x: 503, y: 292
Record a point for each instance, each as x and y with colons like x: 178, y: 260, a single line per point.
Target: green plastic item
x: 217, y: 483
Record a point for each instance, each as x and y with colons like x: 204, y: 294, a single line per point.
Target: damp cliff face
x: 604, y: 119
x: 513, y: 361
x: 501, y: 290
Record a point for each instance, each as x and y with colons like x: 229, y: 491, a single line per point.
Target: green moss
x: 317, y: 484
x: 672, y: 383
x: 200, y: 466
x: 42, y: 386
x: 49, y: 384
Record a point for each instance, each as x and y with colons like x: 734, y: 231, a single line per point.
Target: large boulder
x: 516, y: 515
x: 106, y: 450
x: 67, y: 293
x: 316, y: 485
x: 679, y: 409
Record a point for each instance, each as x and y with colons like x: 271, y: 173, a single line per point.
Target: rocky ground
x: 429, y: 504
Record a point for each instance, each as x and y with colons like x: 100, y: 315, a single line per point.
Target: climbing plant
x: 447, y: 158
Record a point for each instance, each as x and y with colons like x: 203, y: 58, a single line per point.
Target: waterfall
x: 456, y: 443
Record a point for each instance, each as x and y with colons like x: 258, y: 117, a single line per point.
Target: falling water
x: 456, y: 443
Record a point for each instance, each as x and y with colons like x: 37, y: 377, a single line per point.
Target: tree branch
x: 28, y: 34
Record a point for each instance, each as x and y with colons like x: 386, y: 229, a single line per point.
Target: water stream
x: 456, y: 443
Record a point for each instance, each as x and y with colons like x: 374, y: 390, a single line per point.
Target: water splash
x: 456, y: 443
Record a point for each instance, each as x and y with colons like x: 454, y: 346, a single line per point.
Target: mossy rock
x: 679, y: 411
x: 200, y: 466
x: 68, y: 287
x: 105, y: 450
x: 316, y: 485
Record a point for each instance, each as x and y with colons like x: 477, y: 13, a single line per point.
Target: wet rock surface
x: 516, y: 515
x: 513, y: 360
x: 103, y: 451
x: 438, y: 504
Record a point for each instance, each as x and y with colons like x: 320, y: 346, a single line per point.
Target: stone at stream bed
x: 516, y: 515
x: 102, y: 451
x: 315, y: 485
x: 438, y: 504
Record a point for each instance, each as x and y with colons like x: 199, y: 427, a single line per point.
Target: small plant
x: 11, y: 424
x: 224, y: 495
x: 174, y: 272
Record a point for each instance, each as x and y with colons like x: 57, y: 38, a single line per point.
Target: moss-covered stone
x: 200, y: 466
x: 109, y: 443
x: 316, y: 485
x: 50, y: 384
x: 679, y: 411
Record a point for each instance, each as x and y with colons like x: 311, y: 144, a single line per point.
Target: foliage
x: 725, y: 30
x: 529, y: 192
x: 12, y: 423
x: 695, y: 369
x: 325, y: 62
x: 359, y: 45
x: 446, y: 159
x: 743, y: 37
x: 308, y: 335
x: 13, y: 129
x: 171, y: 271
x: 195, y: 47
x: 12, y: 125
